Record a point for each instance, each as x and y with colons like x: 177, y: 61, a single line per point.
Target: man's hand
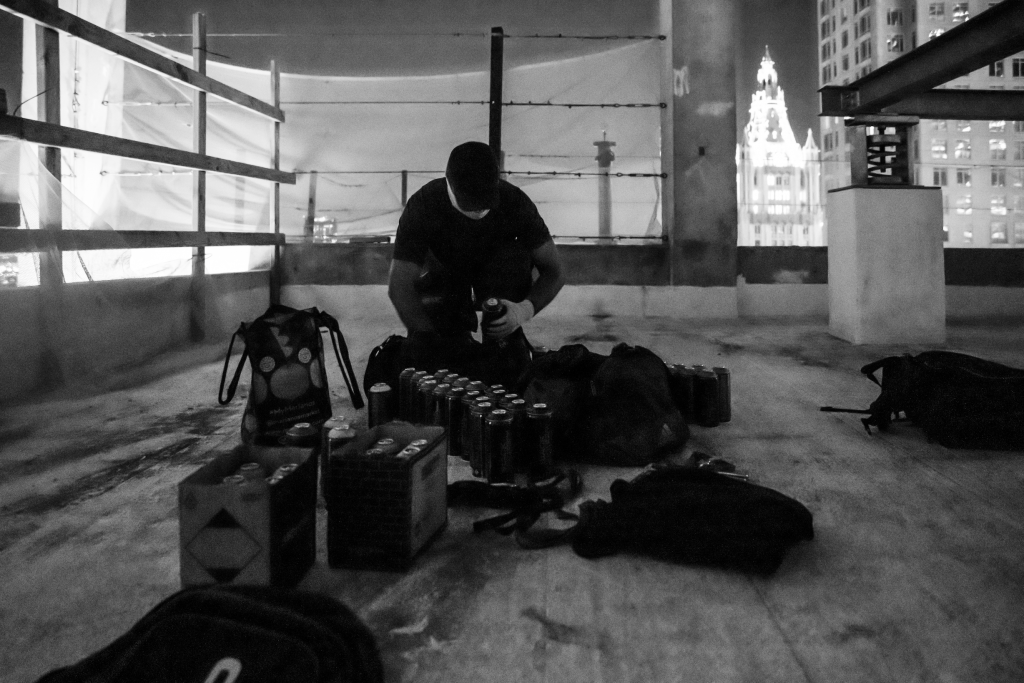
x: 516, y: 315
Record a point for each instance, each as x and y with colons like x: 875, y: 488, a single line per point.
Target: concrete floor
x: 916, y: 573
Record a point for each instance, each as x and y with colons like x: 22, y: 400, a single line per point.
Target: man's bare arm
x: 550, y: 280
x: 402, y: 292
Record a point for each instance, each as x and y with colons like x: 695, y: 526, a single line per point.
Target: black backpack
x: 958, y: 400
x: 612, y: 410
x: 243, y: 634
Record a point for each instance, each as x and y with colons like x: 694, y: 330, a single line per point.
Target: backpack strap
x: 327, y: 320
x: 240, y: 332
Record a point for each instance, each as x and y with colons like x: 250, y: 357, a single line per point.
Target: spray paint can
x: 300, y: 434
x: 336, y: 439
x: 517, y: 407
x: 425, y: 401
x: 453, y: 421
x: 724, y: 394
x: 477, y: 413
x: 538, y: 450
x: 491, y: 310
x: 498, y: 448
x: 468, y: 400
x: 404, y: 382
x: 439, y: 417
x: 461, y: 382
x: 705, y: 392
x: 380, y: 408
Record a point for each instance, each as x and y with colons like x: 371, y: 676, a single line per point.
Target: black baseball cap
x: 472, y: 172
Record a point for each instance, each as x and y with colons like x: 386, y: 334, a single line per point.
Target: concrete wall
x: 104, y: 326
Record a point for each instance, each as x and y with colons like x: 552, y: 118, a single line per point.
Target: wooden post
x: 311, y: 208
x: 275, y: 266
x: 51, y: 262
x: 405, y: 187
x: 497, y: 66
x: 197, y: 323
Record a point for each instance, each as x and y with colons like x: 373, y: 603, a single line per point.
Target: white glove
x: 516, y: 315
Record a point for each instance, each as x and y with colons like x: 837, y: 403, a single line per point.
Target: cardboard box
x: 257, y: 533
x: 382, y: 511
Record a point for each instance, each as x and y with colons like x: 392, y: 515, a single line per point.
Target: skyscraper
x: 778, y: 182
x: 978, y: 164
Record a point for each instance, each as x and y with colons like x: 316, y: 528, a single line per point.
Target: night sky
x: 787, y: 27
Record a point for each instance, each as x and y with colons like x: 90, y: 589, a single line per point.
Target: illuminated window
x: 939, y: 177
x: 998, y: 232
x: 963, y: 177
x: 935, y: 33
x: 964, y: 206
x: 939, y: 149
x: 969, y: 236
x: 999, y: 205
x: 962, y: 150
x: 937, y: 11
x: 995, y: 69
x: 996, y: 126
x: 998, y: 177
x: 963, y: 126
x: 961, y: 12
x: 895, y: 43
x: 997, y: 149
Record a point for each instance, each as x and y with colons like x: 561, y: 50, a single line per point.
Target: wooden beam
x: 197, y: 291
x: 497, y: 73
x: 16, y: 240
x: 68, y: 23
x: 72, y: 138
x: 311, y: 207
x: 994, y: 34
x: 275, y: 266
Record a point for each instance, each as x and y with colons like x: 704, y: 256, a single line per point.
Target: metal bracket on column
x: 880, y: 149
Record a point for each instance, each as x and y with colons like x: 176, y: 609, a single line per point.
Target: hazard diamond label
x: 223, y: 547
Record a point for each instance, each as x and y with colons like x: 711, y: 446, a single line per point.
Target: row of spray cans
x: 503, y: 437
x: 704, y: 395
x: 253, y: 471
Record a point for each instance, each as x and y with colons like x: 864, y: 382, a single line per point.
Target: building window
x: 1018, y: 150
x: 865, y: 24
x: 939, y: 149
x: 1018, y: 233
x: 961, y: 12
x: 824, y: 7
x: 1017, y: 67
x: 998, y: 232
x: 995, y: 69
x: 895, y: 43
x: 937, y: 11
x: 1017, y: 177
x: 997, y: 149
x: 998, y: 177
x: 844, y: 39
x: 963, y: 177
x: 824, y: 29
x: 846, y: 62
x: 968, y: 236
x: 1018, y: 126
x: 939, y: 124
x: 963, y: 205
x: 962, y: 150
x: 894, y: 17
x: 996, y: 126
x: 963, y: 126
x: 945, y: 233
x: 939, y: 177
x: 999, y: 205
x: 935, y: 33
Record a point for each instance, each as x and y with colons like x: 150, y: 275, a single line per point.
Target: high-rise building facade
x: 978, y: 164
x: 778, y: 183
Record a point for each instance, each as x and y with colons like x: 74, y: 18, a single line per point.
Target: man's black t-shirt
x: 431, y: 223
x: 465, y: 254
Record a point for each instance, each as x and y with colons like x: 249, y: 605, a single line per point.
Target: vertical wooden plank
x: 198, y: 294
x: 275, y: 266
x: 405, y: 187
x: 668, y: 80
x: 51, y: 262
x: 497, y: 67
x: 311, y: 207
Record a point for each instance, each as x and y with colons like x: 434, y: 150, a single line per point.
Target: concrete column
x: 702, y: 167
x: 886, y: 271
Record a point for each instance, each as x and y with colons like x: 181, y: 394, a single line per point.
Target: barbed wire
x: 349, y: 34
x: 511, y: 103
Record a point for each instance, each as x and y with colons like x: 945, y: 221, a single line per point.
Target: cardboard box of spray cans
x: 387, y: 495
x: 249, y: 517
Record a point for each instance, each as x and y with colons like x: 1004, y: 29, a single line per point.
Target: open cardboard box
x: 255, y: 533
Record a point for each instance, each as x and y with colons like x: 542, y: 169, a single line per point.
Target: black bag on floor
x: 958, y: 400
x: 612, y: 410
x: 289, y: 376
x: 243, y: 634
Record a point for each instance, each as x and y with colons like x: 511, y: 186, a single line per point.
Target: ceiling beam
x: 966, y: 105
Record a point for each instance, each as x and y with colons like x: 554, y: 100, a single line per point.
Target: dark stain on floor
x: 568, y: 634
